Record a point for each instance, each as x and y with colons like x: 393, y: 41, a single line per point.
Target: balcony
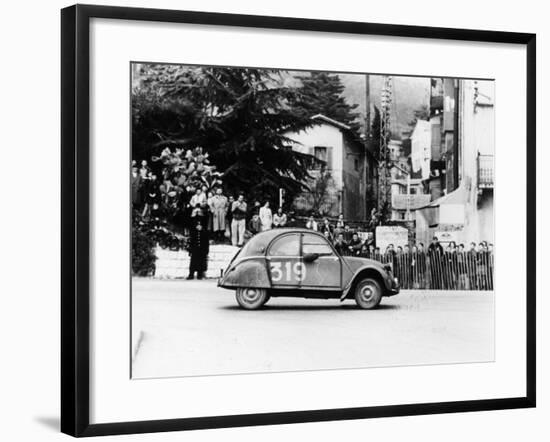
x: 485, y: 171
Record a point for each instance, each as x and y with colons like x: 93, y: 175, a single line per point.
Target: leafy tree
x: 239, y: 116
x: 320, y: 194
x: 321, y: 93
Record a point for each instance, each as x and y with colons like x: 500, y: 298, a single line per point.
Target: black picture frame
x: 75, y: 225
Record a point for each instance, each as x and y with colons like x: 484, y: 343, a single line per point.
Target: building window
x: 356, y: 164
x: 321, y: 153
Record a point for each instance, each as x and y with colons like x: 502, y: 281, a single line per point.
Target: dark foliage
x: 147, y: 233
x: 375, y: 134
x: 321, y: 93
x: 238, y: 116
x: 143, y: 249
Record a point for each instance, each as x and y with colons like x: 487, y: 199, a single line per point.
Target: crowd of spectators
x: 453, y: 267
x: 191, y: 193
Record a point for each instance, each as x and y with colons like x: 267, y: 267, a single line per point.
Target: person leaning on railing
x: 355, y: 245
x: 341, y: 245
x: 462, y: 268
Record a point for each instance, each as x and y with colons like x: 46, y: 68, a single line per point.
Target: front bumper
x: 395, y: 287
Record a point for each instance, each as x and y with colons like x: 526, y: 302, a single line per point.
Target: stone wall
x: 171, y: 264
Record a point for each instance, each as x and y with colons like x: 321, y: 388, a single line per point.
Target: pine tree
x: 238, y: 116
x: 374, y: 142
x: 321, y: 93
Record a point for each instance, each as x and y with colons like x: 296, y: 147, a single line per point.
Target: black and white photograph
x: 292, y: 220
x: 274, y: 221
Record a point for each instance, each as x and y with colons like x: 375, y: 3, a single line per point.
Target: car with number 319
x: 302, y: 263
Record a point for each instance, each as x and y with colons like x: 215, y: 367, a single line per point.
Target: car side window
x: 288, y: 245
x: 315, y: 244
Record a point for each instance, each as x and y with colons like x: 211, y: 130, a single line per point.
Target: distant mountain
x: 409, y: 93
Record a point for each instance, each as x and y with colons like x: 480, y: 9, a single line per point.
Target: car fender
x: 367, y: 270
x: 250, y: 272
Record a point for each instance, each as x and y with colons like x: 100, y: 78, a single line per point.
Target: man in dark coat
x: 435, y: 254
x: 341, y: 245
x: 136, y: 188
x: 198, y: 251
x: 354, y: 245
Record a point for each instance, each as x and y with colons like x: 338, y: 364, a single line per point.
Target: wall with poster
x: 396, y: 235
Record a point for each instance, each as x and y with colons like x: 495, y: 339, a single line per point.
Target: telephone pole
x: 384, y: 177
x: 367, y: 143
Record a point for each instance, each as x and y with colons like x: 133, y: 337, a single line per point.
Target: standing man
x: 152, y: 195
x: 407, y: 265
x: 340, y: 223
x: 219, y: 210
x: 229, y: 217
x: 435, y: 246
x: 266, y: 217
x: 198, y: 199
x: 435, y: 255
x: 471, y: 261
x: 421, y: 265
x: 326, y: 228
x: 198, y: 251
x: 339, y: 227
x: 311, y: 224
x: 136, y: 187
x: 238, y: 223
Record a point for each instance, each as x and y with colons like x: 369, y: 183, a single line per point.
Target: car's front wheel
x: 251, y: 298
x: 368, y: 293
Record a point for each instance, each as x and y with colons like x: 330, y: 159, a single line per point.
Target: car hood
x: 356, y: 262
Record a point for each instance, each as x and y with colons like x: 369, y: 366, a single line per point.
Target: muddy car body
x: 303, y: 263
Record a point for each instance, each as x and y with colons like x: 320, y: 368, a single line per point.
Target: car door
x: 284, y: 261
x: 322, y: 267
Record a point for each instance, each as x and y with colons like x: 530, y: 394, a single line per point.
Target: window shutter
x: 329, y: 158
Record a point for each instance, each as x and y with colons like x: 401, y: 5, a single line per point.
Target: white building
x: 466, y: 214
x: 421, y: 153
x: 344, y: 157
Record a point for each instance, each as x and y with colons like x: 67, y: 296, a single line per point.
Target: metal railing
x: 441, y: 271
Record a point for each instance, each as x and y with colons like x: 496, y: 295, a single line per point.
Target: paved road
x: 183, y: 328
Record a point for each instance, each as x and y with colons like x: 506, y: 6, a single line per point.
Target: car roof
x: 258, y: 243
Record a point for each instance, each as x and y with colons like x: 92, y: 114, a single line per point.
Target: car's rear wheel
x: 251, y: 298
x: 368, y: 293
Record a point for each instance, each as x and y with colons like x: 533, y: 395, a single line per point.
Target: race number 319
x: 288, y: 271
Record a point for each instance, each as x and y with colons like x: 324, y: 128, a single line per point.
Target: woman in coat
x: 266, y: 217
x: 218, y: 206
